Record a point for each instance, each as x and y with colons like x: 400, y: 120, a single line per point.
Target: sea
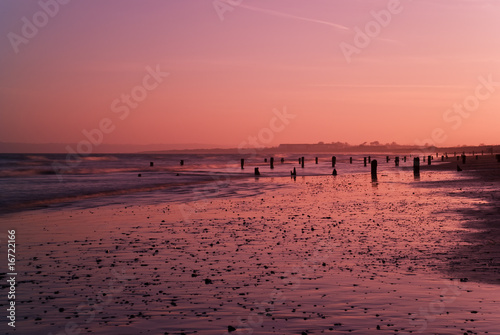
x: 32, y: 181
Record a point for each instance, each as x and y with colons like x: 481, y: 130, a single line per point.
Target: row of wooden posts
x: 373, y: 163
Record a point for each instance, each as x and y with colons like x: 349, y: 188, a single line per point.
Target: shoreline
x: 332, y: 254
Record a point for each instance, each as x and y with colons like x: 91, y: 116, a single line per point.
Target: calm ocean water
x: 30, y: 181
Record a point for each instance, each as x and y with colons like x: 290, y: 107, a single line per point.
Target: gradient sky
x: 227, y: 76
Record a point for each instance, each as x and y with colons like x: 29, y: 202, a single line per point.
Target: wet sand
x: 333, y: 255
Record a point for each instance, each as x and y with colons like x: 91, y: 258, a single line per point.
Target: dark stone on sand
x: 208, y: 281
x: 230, y: 329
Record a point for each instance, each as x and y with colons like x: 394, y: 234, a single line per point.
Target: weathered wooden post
x: 442, y: 158
x: 282, y: 160
x: 257, y: 173
x: 463, y: 158
x: 369, y: 159
x: 302, y: 162
x: 387, y: 159
x: 334, y: 161
x: 404, y: 159
x: 294, y: 172
x: 182, y: 162
x: 350, y: 160
x: 364, y: 159
x: 416, y: 166
x: 242, y: 163
x: 429, y: 159
x: 265, y: 160
x: 151, y: 164
x: 396, y: 161
x: 272, y: 163
x: 374, y: 169
x: 423, y: 159
x: 334, y: 173
x: 316, y: 160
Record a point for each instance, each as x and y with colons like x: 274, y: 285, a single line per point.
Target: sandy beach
x: 322, y: 254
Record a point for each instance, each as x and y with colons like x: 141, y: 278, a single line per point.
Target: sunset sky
x: 230, y: 64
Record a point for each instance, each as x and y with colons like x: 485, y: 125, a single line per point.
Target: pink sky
x: 226, y: 76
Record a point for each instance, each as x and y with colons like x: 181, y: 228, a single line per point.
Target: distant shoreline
x: 332, y: 148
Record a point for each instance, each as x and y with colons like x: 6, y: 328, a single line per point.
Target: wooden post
x: 423, y: 159
x: 498, y: 158
x: 334, y: 173
x: 404, y: 159
x: 416, y: 166
x: 302, y: 162
x: 265, y: 160
x: 350, y: 160
x: 374, y: 169
x: 429, y: 160
x: 316, y: 160
x: 387, y: 159
x: 282, y: 160
x: 272, y: 163
x: 151, y: 164
x: 396, y: 161
x: 294, y: 172
x: 364, y: 159
x: 369, y: 159
x: 257, y: 173
x: 182, y: 162
x: 334, y: 161
x: 442, y: 158
x: 463, y: 158
x: 242, y: 163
